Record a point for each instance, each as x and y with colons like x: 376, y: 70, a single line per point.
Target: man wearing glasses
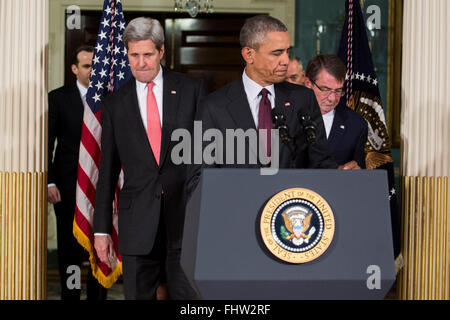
x: 346, y: 130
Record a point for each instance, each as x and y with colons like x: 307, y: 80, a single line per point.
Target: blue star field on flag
x: 110, y: 67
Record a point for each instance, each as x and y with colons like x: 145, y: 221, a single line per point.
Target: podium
x: 225, y: 258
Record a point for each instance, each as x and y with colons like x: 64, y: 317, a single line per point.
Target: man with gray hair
x: 137, y: 124
x: 249, y: 102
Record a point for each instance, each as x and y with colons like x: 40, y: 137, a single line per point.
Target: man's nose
x: 141, y: 61
x: 333, y: 96
x: 284, y: 59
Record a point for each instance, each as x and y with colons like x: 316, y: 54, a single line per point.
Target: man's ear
x: 247, y: 54
x: 162, y: 51
x: 308, y: 83
x: 74, y: 69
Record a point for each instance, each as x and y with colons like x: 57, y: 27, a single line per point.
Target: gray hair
x: 256, y: 28
x: 143, y: 28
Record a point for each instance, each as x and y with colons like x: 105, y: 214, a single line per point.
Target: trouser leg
x: 94, y: 290
x: 141, y: 274
x: 70, y: 253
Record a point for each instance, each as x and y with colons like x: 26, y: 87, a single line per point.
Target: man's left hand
x: 352, y: 165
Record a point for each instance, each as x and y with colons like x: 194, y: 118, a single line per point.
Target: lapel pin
x: 173, y: 92
x: 287, y: 104
x: 342, y: 127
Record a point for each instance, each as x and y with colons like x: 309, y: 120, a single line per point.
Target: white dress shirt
x: 328, y: 121
x: 141, y: 90
x: 83, y: 91
x: 252, y: 90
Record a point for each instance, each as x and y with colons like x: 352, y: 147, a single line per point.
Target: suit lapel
x: 238, y: 107
x: 338, y: 127
x: 284, y: 106
x: 75, y: 99
x: 171, y: 95
x: 239, y: 111
x: 74, y: 109
x: 130, y: 98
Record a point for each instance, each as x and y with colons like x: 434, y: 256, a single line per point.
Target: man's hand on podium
x: 352, y: 165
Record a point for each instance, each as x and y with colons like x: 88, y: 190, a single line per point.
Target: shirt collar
x: 82, y: 89
x: 330, y: 114
x: 158, y: 80
x: 253, y: 89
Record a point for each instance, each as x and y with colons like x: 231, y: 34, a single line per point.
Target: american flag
x: 110, y: 70
x: 363, y: 96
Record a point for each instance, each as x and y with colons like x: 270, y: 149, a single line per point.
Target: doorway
x: 206, y: 47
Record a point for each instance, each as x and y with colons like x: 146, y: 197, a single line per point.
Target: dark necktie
x: 265, y: 119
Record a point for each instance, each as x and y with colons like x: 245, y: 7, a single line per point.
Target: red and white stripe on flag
x: 110, y: 70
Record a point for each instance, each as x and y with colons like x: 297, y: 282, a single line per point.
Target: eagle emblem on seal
x: 297, y: 225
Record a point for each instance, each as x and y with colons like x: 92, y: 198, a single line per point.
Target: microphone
x: 309, y: 128
x: 279, y: 122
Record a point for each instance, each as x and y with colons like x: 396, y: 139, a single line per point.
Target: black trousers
x: 142, y: 274
x: 70, y: 252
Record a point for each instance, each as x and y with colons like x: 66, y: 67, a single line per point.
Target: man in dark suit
x: 248, y: 103
x: 137, y: 123
x: 346, y: 130
x: 65, y: 118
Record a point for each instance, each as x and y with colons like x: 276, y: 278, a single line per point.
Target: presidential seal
x: 297, y: 225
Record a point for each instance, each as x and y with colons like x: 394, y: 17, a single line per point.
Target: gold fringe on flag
x: 376, y: 159
x: 105, y: 281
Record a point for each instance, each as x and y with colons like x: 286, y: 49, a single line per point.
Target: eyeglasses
x: 327, y: 91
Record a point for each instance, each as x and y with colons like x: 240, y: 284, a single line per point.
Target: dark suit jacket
x: 348, y: 137
x: 228, y: 108
x: 125, y: 143
x: 65, y: 118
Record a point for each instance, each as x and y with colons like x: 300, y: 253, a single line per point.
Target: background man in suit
x: 65, y: 118
x: 248, y: 102
x: 295, y: 73
x: 346, y: 130
x: 137, y: 123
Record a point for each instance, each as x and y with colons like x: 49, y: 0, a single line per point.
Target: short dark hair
x: 256, y: 28
x: 295, y: 58
x: 83, y: 47
x: 330, y: 62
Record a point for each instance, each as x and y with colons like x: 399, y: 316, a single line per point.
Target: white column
x: 23, y: 123
x: 425, y: 134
